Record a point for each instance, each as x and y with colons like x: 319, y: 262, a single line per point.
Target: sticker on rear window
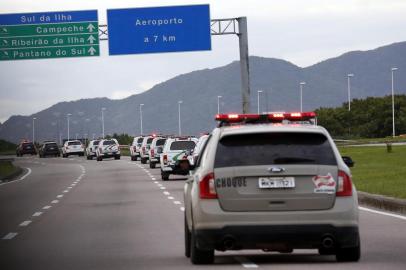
x: 324, y: 184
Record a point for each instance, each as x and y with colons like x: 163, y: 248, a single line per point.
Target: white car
x: 273, y: 183
x: 74, y: 147
x: 195, y: 152
x: 108, y: 148
x: 155, y: 151
x: 174, y: 156
x: 135, y: 148
x: 91, y: 149
x: 146, y: 142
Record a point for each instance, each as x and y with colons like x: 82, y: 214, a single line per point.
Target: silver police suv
x: 272, y: 182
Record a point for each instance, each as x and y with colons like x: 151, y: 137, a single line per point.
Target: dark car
x: 49, y: 149
x: 25, y: 148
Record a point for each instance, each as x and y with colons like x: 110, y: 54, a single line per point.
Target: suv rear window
x: 49, y: 145
x: 160, y: 142
x: 96, y: 142
x: 109, y: 142
x: 25, y: 145
x: 140, y: 140
x: 149, y: 140
x: 274, y: 148
x: 74, y: 143
x: 182, y: 145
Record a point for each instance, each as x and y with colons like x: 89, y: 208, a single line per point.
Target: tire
x: 99, y: 158
x: 117, y: 157
x: 352, y: 254
x: 64, y: 155
x: 152, y: 165
x: 88, y: 158
x: 164, y: 176
x: 133, y: 158
x: 200, y: 256
x: 143, y: 161
x: 188, y: 236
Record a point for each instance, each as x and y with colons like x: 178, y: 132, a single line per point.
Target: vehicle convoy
x: 74, y: 147
x: 195, y: 151
x: 49, y: 148
x: 26, y: 148
x: 91, y: 149
x: 135, y: 148
x: 174, y: 156
x: 146, y: 143
x: 274, y: 182
x: 155, y: 150
x: 108, y: 148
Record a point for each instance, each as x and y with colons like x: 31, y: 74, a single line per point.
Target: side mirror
x: 348, y: 161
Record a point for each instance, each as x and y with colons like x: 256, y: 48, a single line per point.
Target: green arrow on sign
x: 91, y: 39
x: 90, y: 27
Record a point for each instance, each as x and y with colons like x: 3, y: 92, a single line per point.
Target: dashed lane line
x: 37, y: 214
x: 10, y: 236
x: 55, y: 201
x: 46, y: 207
x: 245, y: 262
x: 25, y: 223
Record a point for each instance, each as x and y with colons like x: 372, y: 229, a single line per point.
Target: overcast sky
x: 302, y: 32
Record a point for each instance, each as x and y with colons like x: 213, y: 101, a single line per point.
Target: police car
x: 135, y: 148
x: 155, y: 151
x: 91, y: 149
x: 195, y: 152
x: 174, y: 156
x: 146, y: 143
x: 273, y: 182
x: 108, y: 148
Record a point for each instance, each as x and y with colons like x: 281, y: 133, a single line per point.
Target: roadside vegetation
x: 368, y: 118
x: 6, y: 168
x: 378, y: 171
x: 7, y: 148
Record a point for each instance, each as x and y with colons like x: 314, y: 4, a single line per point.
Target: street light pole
x: 180, y: 129
x: 393, y: 104
x: 141, y: 118
x: 67, y: 116
x: 33, y: 129
x: 349, y: 89
x: 102, y: 112
x: 259, y: 92
x: 301, y: 95
x: 218, y: 104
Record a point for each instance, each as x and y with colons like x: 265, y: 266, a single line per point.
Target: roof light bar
x: 266, y: 118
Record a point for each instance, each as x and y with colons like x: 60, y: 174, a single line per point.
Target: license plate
x: 276, y: 182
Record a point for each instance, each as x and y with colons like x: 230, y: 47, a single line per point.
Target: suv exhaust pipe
x: 327, y: 242
x: 228, y: 242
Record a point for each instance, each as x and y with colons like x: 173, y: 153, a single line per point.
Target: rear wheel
x: 352, y: 254
x: 117, y: 157
x: 99, y: 158
x: 187, y: 239
x: 164, y: 175
x: 152, y: 165
x: 133, y: 158
x: 200, y: 256
x: 143, y: 161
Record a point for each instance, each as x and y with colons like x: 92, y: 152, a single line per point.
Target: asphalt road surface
x: 118, y: 214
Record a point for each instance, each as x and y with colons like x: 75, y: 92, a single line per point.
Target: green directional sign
x: 49, y: 35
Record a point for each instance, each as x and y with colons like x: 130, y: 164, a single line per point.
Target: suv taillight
x: 207, y: 187
x: 152, y: 153
x: 143, y: 150
x: 344, y: 185
x: 165, y: 158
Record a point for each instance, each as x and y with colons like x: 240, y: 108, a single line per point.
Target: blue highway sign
x: 159, y: 29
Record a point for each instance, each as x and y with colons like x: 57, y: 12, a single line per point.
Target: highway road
x: 117, y: 214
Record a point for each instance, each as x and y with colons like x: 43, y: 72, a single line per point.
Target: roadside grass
x: 6, y: 168
x: 125, y: 151
x: 372, y: 140
x: 377, y: 171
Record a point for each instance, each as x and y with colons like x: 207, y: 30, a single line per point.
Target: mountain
x: 326, y: 86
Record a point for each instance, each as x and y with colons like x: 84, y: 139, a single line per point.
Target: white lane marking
x: 21, y: 178
x: 10, y: 236
x: 166, y: 193
x: 177, y: 202
x: 245, y: 262
x: 153, y: 178
x: 25, y: 223
x: 66, y: 191
x: 162, y: 187
x: 46, y: 207
x: 37, y: 214
x: 69, y: 187
x: 59, y: 196
x: 381, y: 213
x: 55, y: 201
x: 182, y: 209
x: 171, y: 198
x: 159, y: 185
x: 156, y: 182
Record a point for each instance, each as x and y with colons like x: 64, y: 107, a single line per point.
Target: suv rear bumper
x: 276, y: 237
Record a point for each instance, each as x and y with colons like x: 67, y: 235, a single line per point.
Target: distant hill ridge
x: 326, y: 86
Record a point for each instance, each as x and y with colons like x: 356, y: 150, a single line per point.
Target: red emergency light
x: 266, y: 118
